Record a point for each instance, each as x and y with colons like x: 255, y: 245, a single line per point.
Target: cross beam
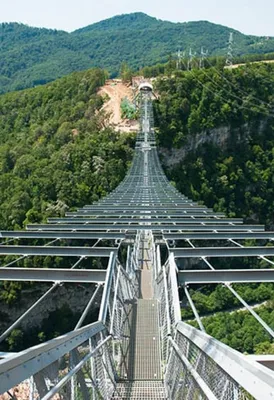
x: 53, y: 275
x: 140, y: 220
x: 218, y: 235
x: 226, y: 276
x: 62, y: 235
x: 223, y: 252
x: 153, y: 227
x: 64, y: 251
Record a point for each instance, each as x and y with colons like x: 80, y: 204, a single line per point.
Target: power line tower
x: 203, y: 56
x: 190, y: 60
x: 180, y: 56
x: 229, y: 56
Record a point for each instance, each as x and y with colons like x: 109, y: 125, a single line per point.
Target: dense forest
x: 56, y: 149
x: 241, y: 331
x: 33, y: 56
x: 216, y: 133
x: 231, y: 114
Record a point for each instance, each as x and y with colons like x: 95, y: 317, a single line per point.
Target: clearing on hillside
x: 116, y: 91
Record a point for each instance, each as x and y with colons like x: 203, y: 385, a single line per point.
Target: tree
x: 15, y: 339
x: 126, y: 73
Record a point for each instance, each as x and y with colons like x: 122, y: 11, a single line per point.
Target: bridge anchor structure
x: 131, y: 248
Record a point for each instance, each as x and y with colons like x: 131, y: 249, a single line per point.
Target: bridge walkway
x: 141, y: 375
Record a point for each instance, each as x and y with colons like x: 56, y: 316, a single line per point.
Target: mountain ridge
x: 31, y: 56
x: 136, y: 16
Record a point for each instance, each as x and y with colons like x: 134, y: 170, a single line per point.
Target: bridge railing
x: 166, y: 291
x: 82, y: 363
x: 219, y: 372
x: 120, y: 289
x: 49, y: 363
x: 197, y: 366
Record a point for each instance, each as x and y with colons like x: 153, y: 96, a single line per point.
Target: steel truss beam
x: 226, y: 276
x: 63, y: 235
x: 218, y: 235
x: 58, y: 251
x: 141, y: 220
x: 162, y: 213
x: 146, y: 206
x: 53, y: 275
x: 153, y: 227
x: 223, y: 252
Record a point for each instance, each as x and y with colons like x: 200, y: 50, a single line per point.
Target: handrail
x: 255, y: 378
x: 19, y: 367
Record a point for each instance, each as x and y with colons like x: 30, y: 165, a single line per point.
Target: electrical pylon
x: 179, y: 61
x: 190, y: 60
x: 229, y: 56
x: 203, y: 56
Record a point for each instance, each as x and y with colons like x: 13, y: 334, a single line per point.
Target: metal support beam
x: 53, y: 275
x: 250, y: 309
x: 23, y: 316
x: 226, y: 276
x: 180, y: 219
x: 74, y: 370
x: 223, y: 252
x: 62, y: 235
x: 195, y: 312
x: 149, y: 226
x: 218, y: 235
x: 58, y: 251
x: 86, y: 310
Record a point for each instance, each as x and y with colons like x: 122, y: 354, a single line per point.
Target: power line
x: 237, y: 88
x: 225, y: 99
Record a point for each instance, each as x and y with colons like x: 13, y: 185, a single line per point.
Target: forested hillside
x: 33, y: 56
x: 56, y: 151
x: 230, y: 113
x: 241, y: 331
x: 216, y: 132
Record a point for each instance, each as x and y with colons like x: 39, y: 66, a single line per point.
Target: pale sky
x: 248, y: 16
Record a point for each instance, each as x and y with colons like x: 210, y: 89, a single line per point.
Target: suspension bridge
x: 138, y: 348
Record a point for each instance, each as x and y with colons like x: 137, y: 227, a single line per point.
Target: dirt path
x: 252, y: 62
x: 116, y: 91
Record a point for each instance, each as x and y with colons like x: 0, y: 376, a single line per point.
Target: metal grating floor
x: 140, y: 390
x: 141, y: 349
x: 147, y: 358
x: 140, y: 370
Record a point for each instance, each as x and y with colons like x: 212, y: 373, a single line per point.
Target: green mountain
x: 33, y: 56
